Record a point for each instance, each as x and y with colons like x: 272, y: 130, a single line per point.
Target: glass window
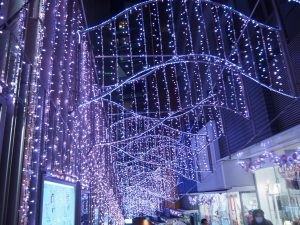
x: 249, y: 203
x: 225, y: 209
x: 279, y: 194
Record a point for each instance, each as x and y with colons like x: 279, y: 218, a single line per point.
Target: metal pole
x: 18, y: 149
x: 5, y: 161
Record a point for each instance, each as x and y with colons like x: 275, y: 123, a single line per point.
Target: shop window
x: 225, y: 209
x: 234, y: 208
x: 249, y: 203
x: 279, y: 194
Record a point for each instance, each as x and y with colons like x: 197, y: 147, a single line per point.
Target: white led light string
x: 130, y: 133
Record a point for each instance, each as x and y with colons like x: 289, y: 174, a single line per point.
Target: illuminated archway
x: 164, y: 70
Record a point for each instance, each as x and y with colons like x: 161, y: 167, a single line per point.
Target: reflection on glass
x: 279, y: 194
x: 58, y: 204
x: 249, y: 203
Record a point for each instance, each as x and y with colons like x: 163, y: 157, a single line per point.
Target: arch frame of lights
x: 115, y: 138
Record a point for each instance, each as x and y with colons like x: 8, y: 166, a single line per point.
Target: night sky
x: 98, y: 11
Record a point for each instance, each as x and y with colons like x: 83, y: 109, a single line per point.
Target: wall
x: 228, y: 175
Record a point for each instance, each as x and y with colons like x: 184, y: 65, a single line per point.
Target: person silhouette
x: 50, y: 210
x: 259, y: 218
x: 67, y: 211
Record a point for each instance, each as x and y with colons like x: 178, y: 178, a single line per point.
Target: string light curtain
x: 164, y: 69
x: 12, y: 44
x: 58, y: 137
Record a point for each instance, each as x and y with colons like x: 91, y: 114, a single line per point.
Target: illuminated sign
x: 58, y: 203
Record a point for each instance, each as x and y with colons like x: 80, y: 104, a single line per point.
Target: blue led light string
x: 157, y: 156
x: 161, y: 121
x: 284, y: 64
x: 266, y: 57
x: 154, y: 83
x: 146, y: 3
x: 102, y: 52
x: 153, y: 69
x: 166, y: 87
x: 122, y: 121
x: 174, y: 70
x: 186, y: 115
x: 295, y: 1
x: 254, y: 67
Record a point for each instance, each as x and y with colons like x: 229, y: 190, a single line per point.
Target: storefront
x: 183, y: 217
x: 225, y: 196
x: 263, y: 176
x: 226, y: 208
x: 279, y: 194
x: 275, y: 163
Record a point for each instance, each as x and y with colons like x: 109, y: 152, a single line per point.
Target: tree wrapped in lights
x: 165, y: 68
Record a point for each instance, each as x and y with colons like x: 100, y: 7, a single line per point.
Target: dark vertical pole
x: 3, y: 107
x: 39, y: 194
x: 18, y: 150
x: 78, y: 204
x: 6, y: 161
